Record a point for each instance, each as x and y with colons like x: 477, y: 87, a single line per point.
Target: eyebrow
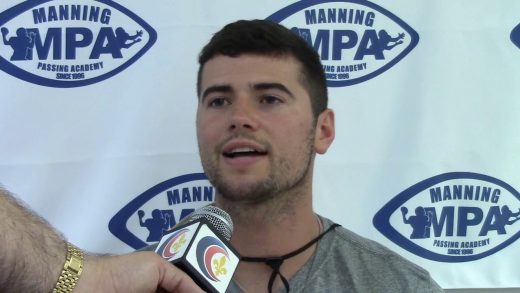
x: 272, y: 85
x: 225, y: 88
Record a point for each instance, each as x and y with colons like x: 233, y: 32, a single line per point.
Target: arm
x: 404, y: 211
x: 5, y: 31
x: 137, y: 35
x: 399, y: 37
x: 32, y: 255
x: 140, y: 213
x: 134, y: 39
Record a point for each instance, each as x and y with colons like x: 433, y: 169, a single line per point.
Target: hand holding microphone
x: 142, y: 272
x: 199, y: 245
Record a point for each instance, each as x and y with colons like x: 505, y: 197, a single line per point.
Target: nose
x: 243, y: 116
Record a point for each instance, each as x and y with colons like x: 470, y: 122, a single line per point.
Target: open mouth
x: 243, y: 152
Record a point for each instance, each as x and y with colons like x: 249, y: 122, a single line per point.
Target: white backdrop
x: 95, y: 154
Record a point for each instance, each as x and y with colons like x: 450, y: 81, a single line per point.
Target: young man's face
x: 255, y: 126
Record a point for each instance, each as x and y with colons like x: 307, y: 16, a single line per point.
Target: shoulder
x: 348, y: 242
x: 354, y: 245
x: 369, y: 263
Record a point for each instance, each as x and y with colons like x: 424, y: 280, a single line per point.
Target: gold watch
x: 71, y: 270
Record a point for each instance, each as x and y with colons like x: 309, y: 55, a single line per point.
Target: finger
x: 173, y: 279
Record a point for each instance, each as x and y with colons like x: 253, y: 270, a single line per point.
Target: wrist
x: 91, y: 276
x: 72, y: 269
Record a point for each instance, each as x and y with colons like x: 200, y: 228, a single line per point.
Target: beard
x: 284, y: 176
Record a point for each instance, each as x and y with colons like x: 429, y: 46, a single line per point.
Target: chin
x: 244, y: 192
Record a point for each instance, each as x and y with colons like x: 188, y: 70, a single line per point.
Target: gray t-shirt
x: 347, y: 262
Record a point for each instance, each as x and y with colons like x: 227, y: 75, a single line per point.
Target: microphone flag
x: 202, y: 253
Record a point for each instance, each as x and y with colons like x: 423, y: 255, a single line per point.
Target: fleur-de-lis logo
x: 220, y: 266
x: 177, y: 245
x: 212, y: 258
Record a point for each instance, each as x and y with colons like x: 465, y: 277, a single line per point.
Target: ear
x: 325, y: 131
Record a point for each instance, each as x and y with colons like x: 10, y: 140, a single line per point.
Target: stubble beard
x: 279, y: 185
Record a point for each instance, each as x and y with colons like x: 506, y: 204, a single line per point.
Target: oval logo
x: 70, y: 43
x: 357, y: 40
x: 148, y: 217
x: 453, y: 217
x: 515, y: 36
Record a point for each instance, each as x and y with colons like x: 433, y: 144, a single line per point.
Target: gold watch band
x: 71, y: 270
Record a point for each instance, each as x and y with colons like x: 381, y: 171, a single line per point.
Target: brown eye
x: 218, y: 102
x: 270, y: 100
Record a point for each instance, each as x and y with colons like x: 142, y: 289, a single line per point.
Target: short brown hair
x: 268, y: 38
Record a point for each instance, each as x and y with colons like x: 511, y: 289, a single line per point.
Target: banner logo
x: 453, y: 217
x: 71, y: 43
x: 148, y: 217
x: 357, y: 40
x: 212, y: 258
x: 515, y: 36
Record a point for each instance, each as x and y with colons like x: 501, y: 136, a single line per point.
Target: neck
x: 270, y: 237
x: 287, y: 218
x: 269, y: 230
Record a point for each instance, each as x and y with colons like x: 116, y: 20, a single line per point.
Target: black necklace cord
x: 276, y: 262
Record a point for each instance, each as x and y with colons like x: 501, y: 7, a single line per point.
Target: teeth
x: 243, y: 150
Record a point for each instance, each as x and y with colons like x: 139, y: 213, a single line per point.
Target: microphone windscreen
x: 218, y: 218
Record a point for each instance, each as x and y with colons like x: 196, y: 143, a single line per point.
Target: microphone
x: 199, y: 245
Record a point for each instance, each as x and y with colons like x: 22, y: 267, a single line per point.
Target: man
x: 32, y: 255
x: 262, y: 116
